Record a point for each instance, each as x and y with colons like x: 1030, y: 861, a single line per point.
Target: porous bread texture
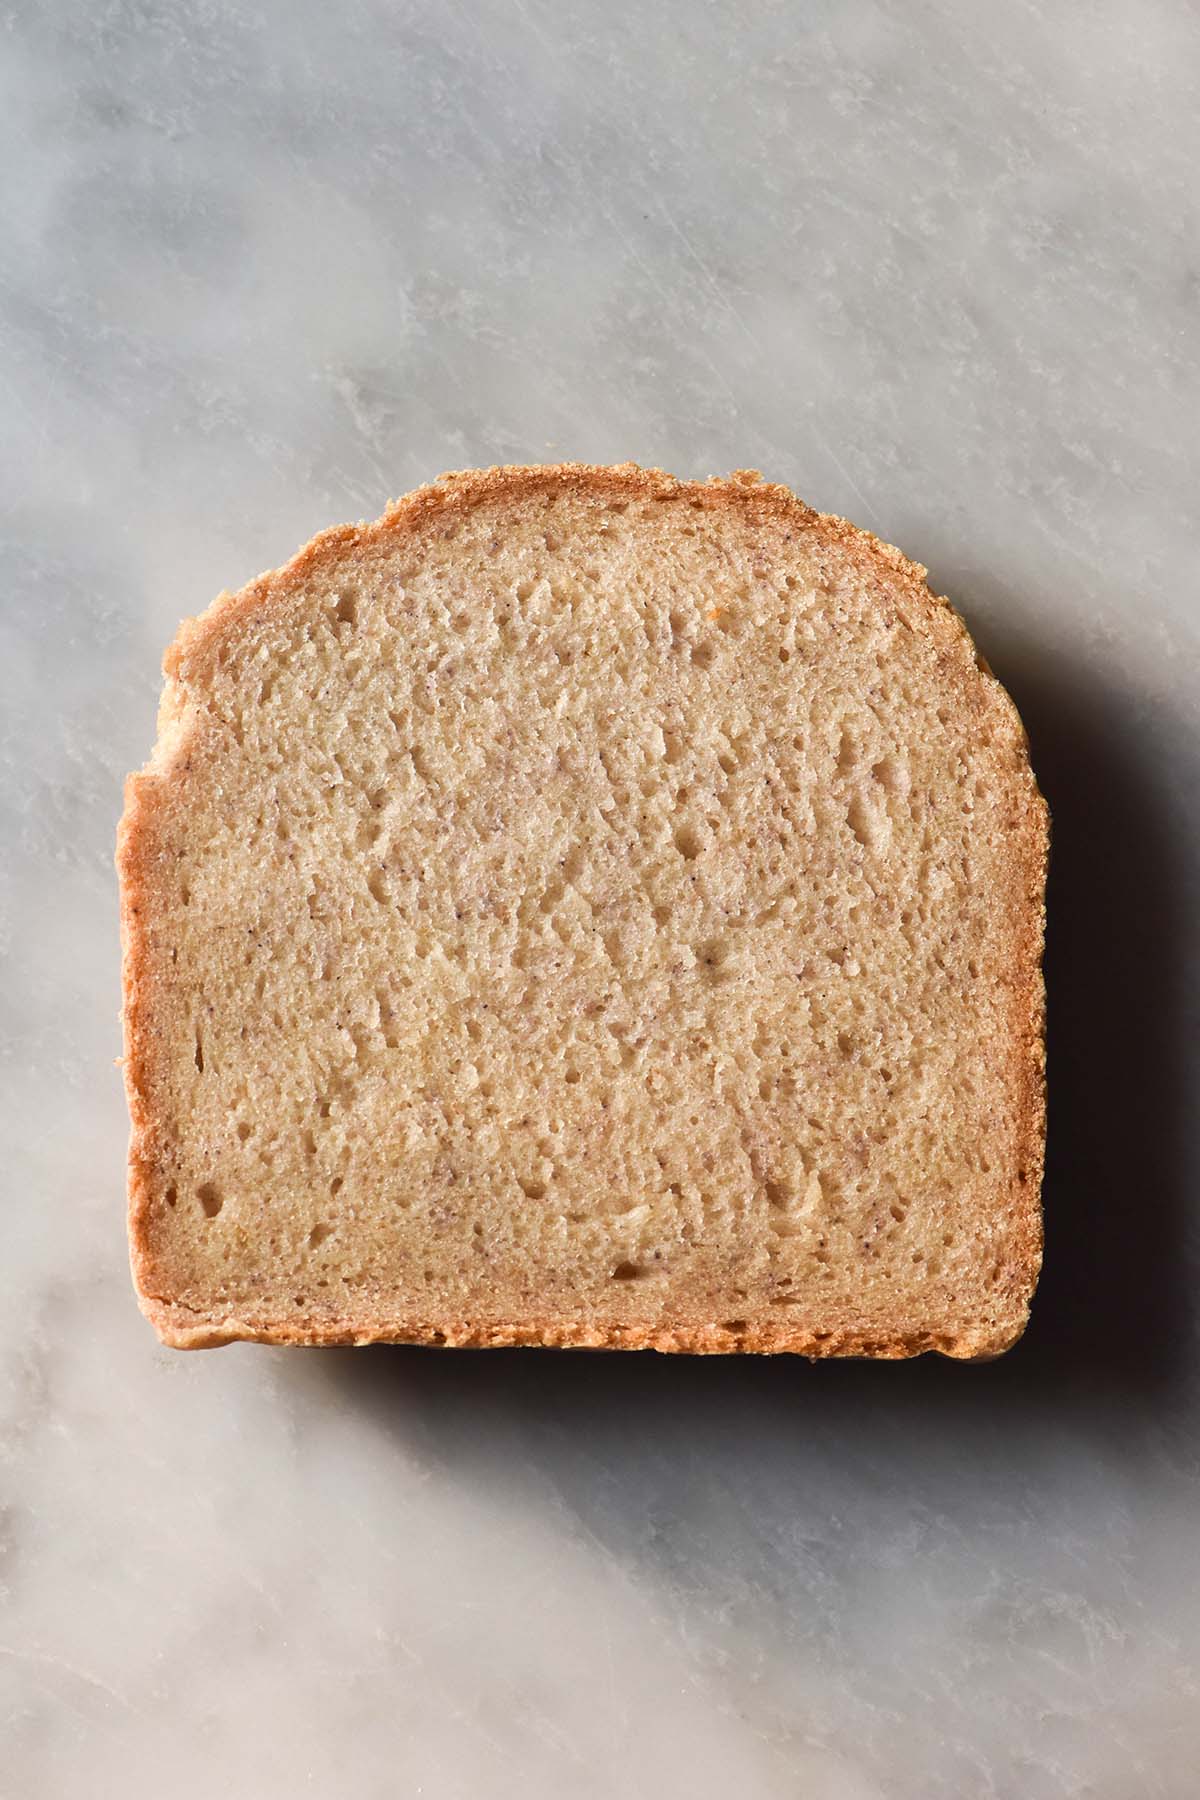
x: 586, y: 908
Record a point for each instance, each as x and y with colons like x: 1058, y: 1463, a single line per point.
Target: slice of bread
x: 586, y: 908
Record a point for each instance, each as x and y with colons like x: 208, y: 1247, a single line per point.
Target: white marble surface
x: 934, y: 264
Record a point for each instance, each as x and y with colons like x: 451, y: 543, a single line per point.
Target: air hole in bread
x: 210, y: 1199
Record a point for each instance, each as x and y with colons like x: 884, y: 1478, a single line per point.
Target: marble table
x: 934, y: 265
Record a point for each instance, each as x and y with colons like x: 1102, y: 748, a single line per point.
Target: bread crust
x: 455, y: 494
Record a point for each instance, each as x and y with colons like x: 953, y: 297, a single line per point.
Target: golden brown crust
x: 454, y: 494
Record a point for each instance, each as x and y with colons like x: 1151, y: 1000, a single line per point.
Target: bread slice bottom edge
x: 182, y: 1328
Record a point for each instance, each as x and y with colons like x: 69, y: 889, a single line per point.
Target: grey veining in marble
x: 937, y: 266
